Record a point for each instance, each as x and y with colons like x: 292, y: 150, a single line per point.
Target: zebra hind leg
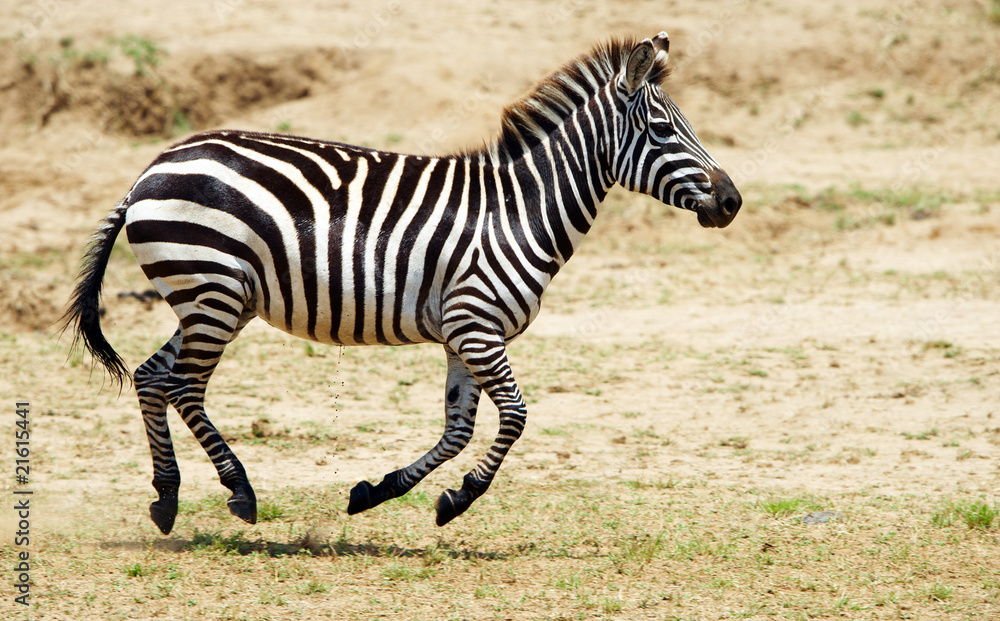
x: 150, y: 384
x: 204, y: 338
x: 461, y: 400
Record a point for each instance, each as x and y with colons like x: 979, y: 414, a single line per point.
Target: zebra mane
x: 527, y: 121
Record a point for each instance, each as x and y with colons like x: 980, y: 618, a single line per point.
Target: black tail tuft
x: 84, y: 313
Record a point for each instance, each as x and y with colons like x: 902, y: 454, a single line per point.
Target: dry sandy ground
x: 843, y: 334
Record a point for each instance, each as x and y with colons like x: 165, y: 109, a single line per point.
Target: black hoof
x: 243, y: 504
x: 452, y: 504
x: 361, y: 498
x: 163, y: 512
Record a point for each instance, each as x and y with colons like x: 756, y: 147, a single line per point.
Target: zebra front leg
x: 486, y: 358
x: 461, y: 401
x: 149, y: 384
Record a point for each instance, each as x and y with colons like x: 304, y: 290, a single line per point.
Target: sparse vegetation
x: 694, y: 395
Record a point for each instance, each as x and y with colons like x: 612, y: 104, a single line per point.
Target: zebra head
x: 658, y: 152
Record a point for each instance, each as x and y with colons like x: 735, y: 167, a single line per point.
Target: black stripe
x: 348, y: 171
x: 189, y: 295
x: 195, y: 319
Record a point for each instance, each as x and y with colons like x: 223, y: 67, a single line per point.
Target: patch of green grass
x: 269, y: 511
x: 612, y: 605
x: 136, y: 570
x: 668, y: 483
x: 401, y: 572
x: 553, y: 431
x: 939, y: 592
x: 737, y: 442
x: 855, y: 118
x: 488, y: 590
x: 232, y: 544
x: 648, y: 432
x: 782, y: 507
x: 993, y: 11
x: 975, y: 514
x: 145, y: 54
x: 415, y: 498
x: 923, y: 435
x: 313, y: 586
x: 636, y: 553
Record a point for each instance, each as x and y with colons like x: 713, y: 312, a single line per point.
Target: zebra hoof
x: 163, y: 512
x: 243, y: 504
x: 452, y: 504
x: 361, y: 498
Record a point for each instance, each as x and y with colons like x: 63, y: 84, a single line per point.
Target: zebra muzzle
x: 726, y: 204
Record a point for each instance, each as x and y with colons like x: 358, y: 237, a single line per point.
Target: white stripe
x: 347, y: 288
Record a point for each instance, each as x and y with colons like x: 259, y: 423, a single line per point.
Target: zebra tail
x: 83, y: 314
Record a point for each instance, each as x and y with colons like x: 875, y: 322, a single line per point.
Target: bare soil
x: 839, y: 342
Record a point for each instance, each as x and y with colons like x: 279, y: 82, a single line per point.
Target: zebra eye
x: 660, y: 128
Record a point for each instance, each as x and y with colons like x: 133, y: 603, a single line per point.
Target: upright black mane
x: 527, y: 121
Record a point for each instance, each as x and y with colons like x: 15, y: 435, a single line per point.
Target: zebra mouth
x: 704, y: 219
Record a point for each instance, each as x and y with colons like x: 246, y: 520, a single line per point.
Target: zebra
x: 355, y: 246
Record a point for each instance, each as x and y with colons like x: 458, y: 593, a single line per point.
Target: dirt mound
x: 25, y: 305
x: 132, y: 86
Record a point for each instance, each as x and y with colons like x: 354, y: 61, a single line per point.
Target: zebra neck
x: 556, y: 188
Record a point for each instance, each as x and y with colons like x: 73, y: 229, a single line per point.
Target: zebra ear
x: 662, y: 44
x: 640, y: 61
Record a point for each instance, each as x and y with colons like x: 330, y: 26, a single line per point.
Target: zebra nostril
x: 731, y: 203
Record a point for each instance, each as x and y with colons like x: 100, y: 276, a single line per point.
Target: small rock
x: 821, y: 517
